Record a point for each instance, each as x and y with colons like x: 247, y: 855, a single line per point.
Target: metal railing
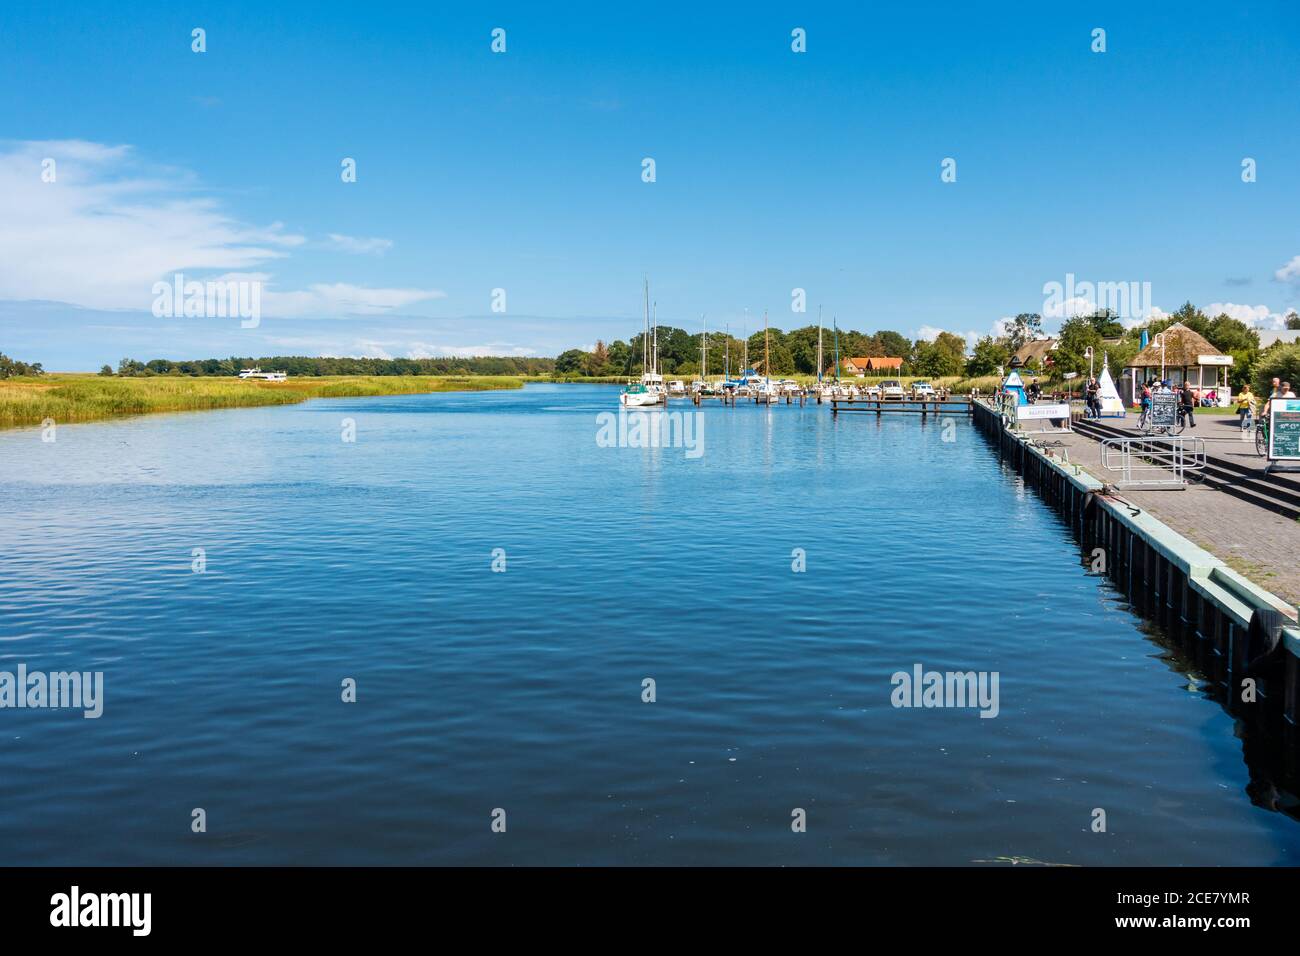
x: 1159, y: 461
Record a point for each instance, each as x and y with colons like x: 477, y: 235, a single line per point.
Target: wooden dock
x: 955, y: 405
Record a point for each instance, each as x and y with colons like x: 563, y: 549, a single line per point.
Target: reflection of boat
x: 649, y: 392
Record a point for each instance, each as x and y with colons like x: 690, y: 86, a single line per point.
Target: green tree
x: 1280, y: 360
x: 893, y: 344
x: 946, y: 355
x: 989, y: 355
x: 570, y: 362
x: 106, y: 370
x: 1076, y: 336
x: 1234, y: 337
x: 620, y: 357
x: 1025, y: 327
x: 12, y: 367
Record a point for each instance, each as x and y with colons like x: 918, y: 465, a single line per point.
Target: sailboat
x: 649, y: 392
x: 767, y: 392
x: 701, y: 383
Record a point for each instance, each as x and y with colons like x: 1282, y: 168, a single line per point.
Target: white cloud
x: 1069, y: 308
x: 419, y: 350
x: 108, y: 228
x: 359, y: 246
x: 1289, y: 272
x: 1257, y: 315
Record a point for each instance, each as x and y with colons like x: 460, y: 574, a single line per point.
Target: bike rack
x: 1161, y: 461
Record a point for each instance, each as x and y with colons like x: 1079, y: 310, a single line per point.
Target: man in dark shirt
x: 1188, y: 403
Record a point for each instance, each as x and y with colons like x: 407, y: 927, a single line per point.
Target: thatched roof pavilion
x: 1183, y: 349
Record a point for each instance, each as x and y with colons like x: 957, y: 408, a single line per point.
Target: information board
x: 1164, y: 410
x: 1284, y: 430
x: 1028, y: 412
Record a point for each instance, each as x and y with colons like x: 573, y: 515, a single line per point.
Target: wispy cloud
x: 108, y: 226
x: 427, y: 350
x: 358, y: 246
x: 1289, y: 272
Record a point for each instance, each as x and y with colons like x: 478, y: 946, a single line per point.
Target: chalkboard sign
x: 1164, y: 410
x: 1284, y: 429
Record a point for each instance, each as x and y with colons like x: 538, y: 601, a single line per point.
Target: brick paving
x: 1261, y: 545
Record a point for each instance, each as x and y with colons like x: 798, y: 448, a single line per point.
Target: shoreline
x: 75, y: 399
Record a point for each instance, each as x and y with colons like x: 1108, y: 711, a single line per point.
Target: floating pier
x: 922, y: 406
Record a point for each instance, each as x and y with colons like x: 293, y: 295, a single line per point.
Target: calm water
x: 522, y: 690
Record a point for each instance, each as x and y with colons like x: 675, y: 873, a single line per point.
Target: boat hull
x: 640, y: 401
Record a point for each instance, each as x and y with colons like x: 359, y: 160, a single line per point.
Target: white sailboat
x: 701, y: 383
x: 649, y: 392
x: 768, y: 392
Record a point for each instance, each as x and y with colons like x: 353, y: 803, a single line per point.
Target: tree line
x: 791, y: 352
x: 304, y: 365
x: 10, y: 368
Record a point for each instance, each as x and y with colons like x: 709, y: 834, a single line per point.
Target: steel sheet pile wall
x: 1241, y: 638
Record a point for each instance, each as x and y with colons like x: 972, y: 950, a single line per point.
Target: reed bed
x: 86, y: 398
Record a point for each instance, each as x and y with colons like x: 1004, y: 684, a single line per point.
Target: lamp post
x: 1088, y: 352
x: 1160, y: 341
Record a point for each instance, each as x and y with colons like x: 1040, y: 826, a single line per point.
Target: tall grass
x: 86, y: 398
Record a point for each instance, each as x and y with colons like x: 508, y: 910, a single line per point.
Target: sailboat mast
x: 836, y: 327
x: 645, y: 333
x: 767, y: 353
x: 819, y: 345
x: 704, y: 349
x: 656, y: 333
x: 726, y: 360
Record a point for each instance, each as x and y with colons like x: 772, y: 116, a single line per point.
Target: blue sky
x: 522, y: 170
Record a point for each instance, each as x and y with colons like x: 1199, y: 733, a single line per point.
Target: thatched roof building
x: 1182, y: 348
x: 1036, y: 352
x: 1177, y: 350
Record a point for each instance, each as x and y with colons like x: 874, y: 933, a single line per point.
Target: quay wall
x: 1218, y: 618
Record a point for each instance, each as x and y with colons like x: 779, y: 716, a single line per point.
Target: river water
x: 522, y: 690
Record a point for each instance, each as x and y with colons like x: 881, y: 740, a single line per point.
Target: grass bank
x: 88, y: 398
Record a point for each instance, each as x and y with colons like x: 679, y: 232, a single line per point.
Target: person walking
x: 1187, y: 402
x: 1245, y: 408
x: 1146, y: 406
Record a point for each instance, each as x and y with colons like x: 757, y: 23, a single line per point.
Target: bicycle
x: 1261, y: 437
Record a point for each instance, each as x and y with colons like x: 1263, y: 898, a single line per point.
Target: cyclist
x: 1145, y: 417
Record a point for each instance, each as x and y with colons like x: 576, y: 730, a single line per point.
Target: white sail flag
x: 1111, y: 403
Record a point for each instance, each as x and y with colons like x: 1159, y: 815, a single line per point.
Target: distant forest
x: 302, y: 365
x: 794, y: 351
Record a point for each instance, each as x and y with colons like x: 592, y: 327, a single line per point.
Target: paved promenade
x: 1262, y: 545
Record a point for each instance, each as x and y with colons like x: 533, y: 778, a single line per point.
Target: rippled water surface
x: 522, y: 690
